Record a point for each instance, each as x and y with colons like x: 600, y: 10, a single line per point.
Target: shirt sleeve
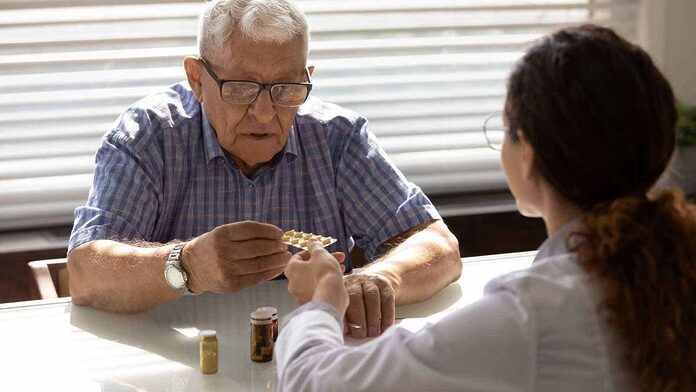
x: 124, y: 200
x: 486, y: 346
x: 378, y: 202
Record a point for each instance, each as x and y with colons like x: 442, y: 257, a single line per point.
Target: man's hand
x: 371, y: 309
x: 316, y: 275
x: 234, y: 256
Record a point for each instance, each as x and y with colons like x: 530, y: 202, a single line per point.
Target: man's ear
x: 311, y: 70
x: 527, y: 160
x: 193, y: 74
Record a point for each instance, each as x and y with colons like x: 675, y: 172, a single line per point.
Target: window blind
x: 425, y: 74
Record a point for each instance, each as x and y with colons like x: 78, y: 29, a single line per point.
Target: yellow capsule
x: 290, y: 233
x: 304, y: 243
x: 326, y: 241
x: 308, y: 236
x: 286, y: 238
x: 295, y: 240
x: 299, y: 234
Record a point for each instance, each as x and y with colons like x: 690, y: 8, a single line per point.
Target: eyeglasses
x: 244, y: 92
x: 494, y: 130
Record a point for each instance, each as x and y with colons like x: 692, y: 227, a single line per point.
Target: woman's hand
x: 317, y: 275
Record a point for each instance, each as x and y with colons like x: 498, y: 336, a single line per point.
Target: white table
x: 55, y: 346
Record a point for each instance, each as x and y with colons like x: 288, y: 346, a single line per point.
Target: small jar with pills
x: 261, y: 336
x: 274, y: 319
x: 208, y: 352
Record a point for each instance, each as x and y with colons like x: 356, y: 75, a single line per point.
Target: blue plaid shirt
x: 161, y: 175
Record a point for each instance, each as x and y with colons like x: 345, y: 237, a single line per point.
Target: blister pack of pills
x: 300, y: 239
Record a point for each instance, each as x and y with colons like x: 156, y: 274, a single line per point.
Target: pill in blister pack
x: 300, y: 239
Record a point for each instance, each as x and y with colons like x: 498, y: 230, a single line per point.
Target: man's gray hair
x: 272, y: 21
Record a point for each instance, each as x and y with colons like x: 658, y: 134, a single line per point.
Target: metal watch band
x: 175, y: 254
x: 174, y: 260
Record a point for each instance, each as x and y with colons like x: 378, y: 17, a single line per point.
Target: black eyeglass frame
x: 261, y: 86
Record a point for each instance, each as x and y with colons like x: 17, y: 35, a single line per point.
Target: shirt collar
x: 558, y: 243
x: 292, y: 144
x: 214, y: 150
x: 210, y: 141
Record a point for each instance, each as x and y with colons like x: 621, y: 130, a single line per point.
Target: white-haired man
x: 194, y: 186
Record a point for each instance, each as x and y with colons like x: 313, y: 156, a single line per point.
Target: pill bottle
x: 274, y: 320
x: 261, y: 336
x: 209, y: 352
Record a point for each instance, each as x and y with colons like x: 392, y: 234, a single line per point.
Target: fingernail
x: 373, y: 331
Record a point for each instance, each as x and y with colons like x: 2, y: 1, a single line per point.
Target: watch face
x: 174, y: 277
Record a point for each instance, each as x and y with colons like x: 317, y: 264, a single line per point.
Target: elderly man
x: 195, y: 186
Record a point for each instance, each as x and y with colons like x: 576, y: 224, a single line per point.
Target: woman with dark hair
x: 609, y: 303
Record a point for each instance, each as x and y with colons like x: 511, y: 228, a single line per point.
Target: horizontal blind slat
x: 447, y: 161
x: 117, y: 10
x: 35, y: 165
x: 443, y: 183
x: 34, y: 190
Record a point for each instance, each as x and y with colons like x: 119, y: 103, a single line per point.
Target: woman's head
x: 596, y: 113
x: 590, y: 118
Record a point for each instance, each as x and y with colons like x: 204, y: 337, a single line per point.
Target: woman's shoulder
x: 557, y: 282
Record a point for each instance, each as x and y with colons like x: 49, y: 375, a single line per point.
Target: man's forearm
x: 422, y: 265
x: 119, y: 277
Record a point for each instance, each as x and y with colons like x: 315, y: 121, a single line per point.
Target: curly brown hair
x: 643, y: 253
x: 600, y: 117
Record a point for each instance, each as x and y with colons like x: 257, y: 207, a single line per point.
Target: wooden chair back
x: 49, y: 279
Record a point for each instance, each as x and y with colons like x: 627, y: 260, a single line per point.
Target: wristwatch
x: 174, y: 272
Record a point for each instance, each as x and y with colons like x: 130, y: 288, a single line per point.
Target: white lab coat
x: 534, y: 330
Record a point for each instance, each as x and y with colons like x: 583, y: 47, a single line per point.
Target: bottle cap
x: 274, y: 311
x: 208, y: 333
x: 261, y: 317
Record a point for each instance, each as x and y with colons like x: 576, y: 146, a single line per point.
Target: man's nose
x: 262, y: 108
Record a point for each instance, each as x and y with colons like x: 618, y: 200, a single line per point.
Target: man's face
x: 253, y: 133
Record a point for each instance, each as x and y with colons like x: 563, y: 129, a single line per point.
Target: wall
x: 666, y: 31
